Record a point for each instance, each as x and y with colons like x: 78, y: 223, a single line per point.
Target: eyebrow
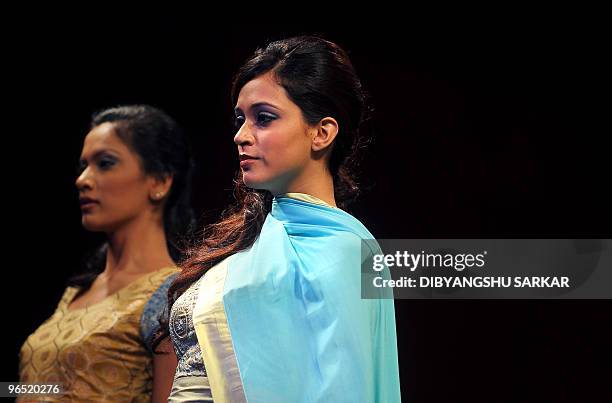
x: 98, y: 153
x: 257, y: 105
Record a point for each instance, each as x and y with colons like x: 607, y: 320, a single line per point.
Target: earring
x: 158, y: 195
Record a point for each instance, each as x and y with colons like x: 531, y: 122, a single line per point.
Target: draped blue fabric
x: 301, y: 331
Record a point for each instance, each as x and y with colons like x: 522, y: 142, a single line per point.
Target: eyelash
x: 238, y: 122
x: 263, y: 118
x: 103, y: 164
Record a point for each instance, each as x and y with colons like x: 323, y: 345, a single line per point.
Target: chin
x: 273, y: 185
x: 252, y: 182
x: 90, y: 224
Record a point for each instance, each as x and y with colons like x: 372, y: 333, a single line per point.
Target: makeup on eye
x: 264, y: 117
x: 105, y: 163
x: 80, y: 167
x: 260, y: 115
x: 238, y: 121
x: 102, y: 159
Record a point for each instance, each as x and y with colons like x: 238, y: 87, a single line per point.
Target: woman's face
x: 113, y: 188
x: 274, y: 141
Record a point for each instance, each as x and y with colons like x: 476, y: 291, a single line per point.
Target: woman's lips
x: 87, y: 203
x: 246, y: 160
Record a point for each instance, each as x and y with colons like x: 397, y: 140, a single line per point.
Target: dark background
x: 484, y: 128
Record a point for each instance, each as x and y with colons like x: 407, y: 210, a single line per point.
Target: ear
x: 327, y: 130
x: 159, y: 187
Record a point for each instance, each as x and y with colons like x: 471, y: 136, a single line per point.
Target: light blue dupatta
x: 299, y: 328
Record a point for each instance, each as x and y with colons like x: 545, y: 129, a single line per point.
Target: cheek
x: 123, y: 193
x: 285, y: 148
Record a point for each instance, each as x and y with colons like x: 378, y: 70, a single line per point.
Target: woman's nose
x: 84, y: 180
x: 244, y: 135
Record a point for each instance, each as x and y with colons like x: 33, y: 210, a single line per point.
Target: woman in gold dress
x: 133, y: 185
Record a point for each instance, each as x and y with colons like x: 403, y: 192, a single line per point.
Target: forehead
x: 264, y: 88
x: 101, y: 137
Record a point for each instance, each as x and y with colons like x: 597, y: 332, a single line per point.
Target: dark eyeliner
x: 106, y: 163
x: 265, y: 117
x: 80, y: 167
x: 238, y: 121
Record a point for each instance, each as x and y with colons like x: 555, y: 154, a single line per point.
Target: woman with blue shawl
x: 268, y: 307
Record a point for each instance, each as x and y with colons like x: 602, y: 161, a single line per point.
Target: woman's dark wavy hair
x: 163, y: 149
x: 320, y: 79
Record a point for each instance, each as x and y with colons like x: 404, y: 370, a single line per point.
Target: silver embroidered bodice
x: 183, y: 334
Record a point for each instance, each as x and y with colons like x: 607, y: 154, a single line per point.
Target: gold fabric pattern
x: 96, y: 353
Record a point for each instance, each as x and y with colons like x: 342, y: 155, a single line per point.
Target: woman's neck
x: 318, y: 184
x: 139, y: 246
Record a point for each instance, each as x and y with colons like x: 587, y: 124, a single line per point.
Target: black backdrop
x: 483, y: 129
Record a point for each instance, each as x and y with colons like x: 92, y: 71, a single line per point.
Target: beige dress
x: 99, y: 353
